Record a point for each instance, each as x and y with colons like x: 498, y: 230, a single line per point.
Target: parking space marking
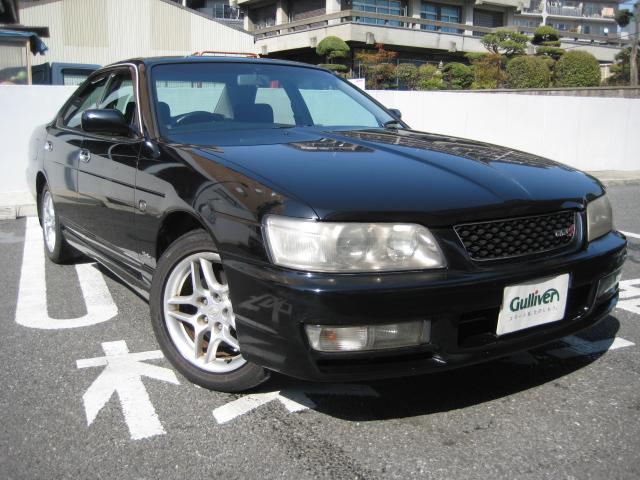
x: 630, y: 295
x: 31, y: 309
x: 578, y: 347
x: 293, y: 399
x: 123, y: 375
x: 629, y: 234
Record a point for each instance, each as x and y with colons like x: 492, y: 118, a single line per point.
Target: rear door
x: 63, y: 145
x: 106, y: 175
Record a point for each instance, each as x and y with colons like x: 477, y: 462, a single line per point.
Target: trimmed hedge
x: 332, y: 47
x: 457, y: 76
x: 528, y: 72
x: 577, y: 69
x: 546, y: 35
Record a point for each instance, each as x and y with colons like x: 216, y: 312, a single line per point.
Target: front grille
x: 517, y: 237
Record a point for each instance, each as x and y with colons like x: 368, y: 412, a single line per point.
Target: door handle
x: 84, y: 155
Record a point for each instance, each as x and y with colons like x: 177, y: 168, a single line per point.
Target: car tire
x: 57, y: 248
x: 193, y: 318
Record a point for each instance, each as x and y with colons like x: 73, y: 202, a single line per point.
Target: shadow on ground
x: 453, y: 389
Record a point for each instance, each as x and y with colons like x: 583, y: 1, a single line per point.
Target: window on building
x: 487, y: 18
x: 441, y: 13
x: 386, y: 7
x: 264, y: 17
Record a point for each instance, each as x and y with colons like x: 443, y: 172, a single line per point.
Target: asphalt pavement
x: 86, y: 394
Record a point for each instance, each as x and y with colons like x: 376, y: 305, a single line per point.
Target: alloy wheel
x: 199, y: 316
x: 49, y: 221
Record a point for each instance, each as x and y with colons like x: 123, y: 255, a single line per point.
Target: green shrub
x: 334, y: 67
x: 577, y: 69
x: 457, y: 76
x: 546, y: 35
x: 332, y: 47
x: 488, y: 72
x: 528, y: 72
x: 382, y: 76
x: 429, y: 78
x: 408, y: 75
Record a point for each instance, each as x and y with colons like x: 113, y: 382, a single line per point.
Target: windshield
x: 219, y: 97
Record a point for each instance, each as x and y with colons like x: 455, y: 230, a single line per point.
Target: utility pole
x: 634, y: 46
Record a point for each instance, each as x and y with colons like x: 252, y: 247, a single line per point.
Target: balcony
x: 536, y: 7
x: 588, y: 10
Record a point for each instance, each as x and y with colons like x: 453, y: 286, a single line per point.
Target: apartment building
x: 571, y: 16
x: 429, y: 30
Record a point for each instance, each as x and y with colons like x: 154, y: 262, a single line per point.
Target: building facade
x: 571, y: 16
x: 430, y: 30
x: 105, y: 31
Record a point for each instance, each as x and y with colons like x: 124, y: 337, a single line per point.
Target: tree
x: 487, y: 70
x: 371, y: 62
x: 546, y: 35
x: 622, y: 67
x: 528, y: 72
x: 332, y: 47
x: 577, y: 69
x: 457, y: 76
x: 547, y: 40
x: 505, y: 42
x: 623, y: 18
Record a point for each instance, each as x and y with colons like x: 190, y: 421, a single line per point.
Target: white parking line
x: 293, y: 399
x: 123, y: 375
x: 31, y: 309
x: 629, y: 234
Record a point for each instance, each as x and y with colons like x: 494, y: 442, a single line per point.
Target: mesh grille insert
x: 517, y: 237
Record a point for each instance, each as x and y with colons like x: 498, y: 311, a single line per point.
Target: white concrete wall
x: 22, y: 108
x: 584, y: 132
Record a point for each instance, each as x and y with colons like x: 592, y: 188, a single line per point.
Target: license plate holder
x: 533, y: 303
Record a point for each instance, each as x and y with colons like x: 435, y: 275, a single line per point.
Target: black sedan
x: 279, y: 219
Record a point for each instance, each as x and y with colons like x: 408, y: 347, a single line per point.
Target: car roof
x: 151, y: 61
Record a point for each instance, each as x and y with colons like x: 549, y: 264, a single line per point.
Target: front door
x: 106, y: 176
x: 62, y: 149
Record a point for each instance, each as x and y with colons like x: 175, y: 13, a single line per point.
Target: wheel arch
x: 41, y: 181
x: 175, y: 224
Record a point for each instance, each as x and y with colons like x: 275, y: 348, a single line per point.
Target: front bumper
x: 272, y: 305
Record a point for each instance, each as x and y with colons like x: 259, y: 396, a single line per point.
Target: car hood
x: 402, y: 175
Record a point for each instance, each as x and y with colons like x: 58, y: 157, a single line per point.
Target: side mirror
x: 396, y: 113
x: 107, y: 121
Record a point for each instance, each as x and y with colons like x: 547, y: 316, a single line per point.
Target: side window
x: 120, y: 96
x: 87, y: 99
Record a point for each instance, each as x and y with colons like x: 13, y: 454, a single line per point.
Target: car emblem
x: 565, y: 232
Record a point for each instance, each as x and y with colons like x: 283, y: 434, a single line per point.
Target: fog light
x: 326, y: 338
x: 609, y: 283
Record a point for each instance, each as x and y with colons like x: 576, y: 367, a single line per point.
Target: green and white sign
x: 533, y: 303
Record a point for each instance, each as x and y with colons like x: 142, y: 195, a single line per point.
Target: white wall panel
x: 106, y: 31
x: 584, y: 132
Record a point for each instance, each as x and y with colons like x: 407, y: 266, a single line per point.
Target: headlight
x: 350, y: 247
x: 599, y: 218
